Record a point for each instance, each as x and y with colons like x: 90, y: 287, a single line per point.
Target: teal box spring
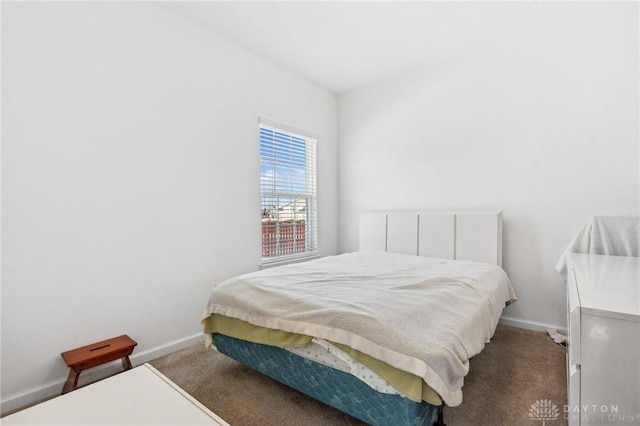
x: 332, y: 387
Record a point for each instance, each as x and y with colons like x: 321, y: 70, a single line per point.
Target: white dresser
x: 603, y: 360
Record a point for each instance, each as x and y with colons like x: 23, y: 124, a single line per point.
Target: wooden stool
x: 96, y: 354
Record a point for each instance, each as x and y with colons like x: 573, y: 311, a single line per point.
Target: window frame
x: 309, y: 194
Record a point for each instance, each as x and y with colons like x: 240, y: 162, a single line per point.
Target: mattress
x: 405, y: 383
x: 335, y: 388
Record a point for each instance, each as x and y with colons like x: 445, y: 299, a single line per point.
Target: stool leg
x: 72, y: 381
x: 126, y: 363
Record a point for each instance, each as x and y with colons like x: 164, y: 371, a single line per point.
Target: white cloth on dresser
x: 609, y: 235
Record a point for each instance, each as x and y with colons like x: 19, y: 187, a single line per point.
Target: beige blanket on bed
x: 421, y: 315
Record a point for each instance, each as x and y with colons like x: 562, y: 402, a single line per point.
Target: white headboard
x: 469, y: 235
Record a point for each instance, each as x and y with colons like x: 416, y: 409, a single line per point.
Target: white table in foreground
x: 140, y: 396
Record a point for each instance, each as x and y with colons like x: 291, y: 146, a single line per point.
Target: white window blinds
x: 288, y: 193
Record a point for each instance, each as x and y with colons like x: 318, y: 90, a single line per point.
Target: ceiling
x: 344, y: 45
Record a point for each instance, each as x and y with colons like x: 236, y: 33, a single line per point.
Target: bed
x: 384, y: 334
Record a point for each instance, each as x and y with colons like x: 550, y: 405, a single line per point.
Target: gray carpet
x: 516, y: 369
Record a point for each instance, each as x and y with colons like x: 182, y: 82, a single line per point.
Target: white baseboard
x: 53, y: 388
x: 529, y: 325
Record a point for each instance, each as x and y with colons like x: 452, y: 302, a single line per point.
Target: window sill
x: 286, y: 260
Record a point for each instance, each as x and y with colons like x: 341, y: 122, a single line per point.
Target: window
x: 288, y: 193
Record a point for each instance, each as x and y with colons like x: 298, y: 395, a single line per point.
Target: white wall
x: 542, y: 124
x: 130, y: 173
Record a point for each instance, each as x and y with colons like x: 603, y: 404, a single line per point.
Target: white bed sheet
x: 422, y: 315
x: 323, y: 352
